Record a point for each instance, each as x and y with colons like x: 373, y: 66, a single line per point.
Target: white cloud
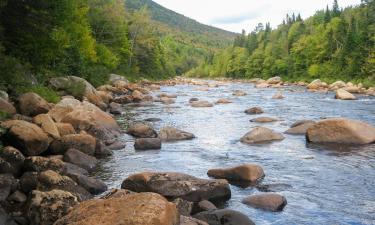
x: 235, y: 15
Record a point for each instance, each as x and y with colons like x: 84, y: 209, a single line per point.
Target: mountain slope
x: 212, y: 36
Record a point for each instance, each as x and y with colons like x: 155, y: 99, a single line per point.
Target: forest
x: 333, y: 44
x: 41, y: 39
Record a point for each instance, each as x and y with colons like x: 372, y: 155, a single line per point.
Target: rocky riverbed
x: 264, y: 152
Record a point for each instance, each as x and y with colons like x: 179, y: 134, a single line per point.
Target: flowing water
x: 323, y: 185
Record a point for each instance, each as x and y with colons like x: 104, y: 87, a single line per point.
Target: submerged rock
x: 142, y: 130
x: 178, y: 185
x: 269, y: 201
x: 341, y: 131
x: 201, y: 104
x: 223, y: 101
x: 263, y: 120
x: 239, y: 93
x: 147, y: 144
x: 224, y: 217
x: 254, y: 110
x: 344, y: 95
x: 278, y: 95
x: 137, y: 209
x: 245, y: 172
x: 27, y: 137
x: 173, y: 134
x: 261, y: 135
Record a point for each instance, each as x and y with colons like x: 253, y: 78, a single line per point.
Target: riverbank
x: 98, y: 133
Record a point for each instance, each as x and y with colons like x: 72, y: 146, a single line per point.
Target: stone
x: 315, y: 84
x: 224, y: 217
x: 113, y: 78
x: 123, y: 99
x: 173, y: 134
x: 203, y: 205
x: 14, y: 160
x: 137, y: 209
x: 165, y: 95
x: 274, y: 80
x: 27, y: 137
x: 301, y: 128
x: 84, y: 116
x: 46, y: 207
x: 245, y: 172
x: 31, y: 104
x: 137, y: 96
x: 147, y: 144
x: 344, y: 95
x: 223, y: 101
x: 337, y: 85
x: 7, y: 107
x: 105, y: 96
x: 193, y: 100
x: 178, y: 185
x: 183, y: 207
x: 6, y: 183
x: 185, y: 220
x: 82, y: 142
x: 28, y: 182
x: 117, y: 145
x: 65, y: 129
x: 18, y: 197
x: 79, y: 88
x: 278, y: 95
x: 70, y: 169
x: 81, y: 159
x: 201, y: 104
x: 264, y: 120
x: 115, y: 108
x: 142, y: 130
x: 269, y: 201
x: 92, y: 185
x: 47, y: 124
x: 39, y: 164
x: 167, y: 101
x: 22, y: 117
x: 300, y: 122
x: 254, y: 110
x: 50, y: 180
x: 101, y: 150
x: 261, y: 135
x: 262, y: 85
x: 341, y: 131
x: 239, y: 93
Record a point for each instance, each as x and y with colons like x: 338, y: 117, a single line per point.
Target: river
x: 323, y: 185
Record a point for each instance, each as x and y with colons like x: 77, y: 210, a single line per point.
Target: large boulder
x: 245, y: 172
x: 341, y: 131
x: 65, y: 129
x: 79, y: 88
x: 337, y: 85
x: 178, y: 185
x: 133, y: 209
x: 254, y: 110
x: 82, y: 142
x: 31, y: 104
x: 316, y: 84
x: 39, y: 164
x: 224, y: 217
x: 344, y: 95
x: 92, y: 185
x: 300, y: 127
x: 47, y: 124
x: 142, y: 130
x: 147, y: 144
x: 81, y: 159
x: 269, y: 201
x: 11, y: 161
x: 85, y: 116
x: 201, y: 104
x: 50, y: 180
x: 261, y: 135
x: 44, y: 208
x: 7, y: 107
x: 27, y: 137
x: 173, y: 134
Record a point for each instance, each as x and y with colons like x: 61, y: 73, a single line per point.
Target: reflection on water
x: 323, y: 184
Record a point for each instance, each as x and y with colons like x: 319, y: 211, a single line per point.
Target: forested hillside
x: 333, y: 44
x: 41, y: 39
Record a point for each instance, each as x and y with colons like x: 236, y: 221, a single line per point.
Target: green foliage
x: 3, y: 115
x: 48, y: 94
x: 331, y: 45
x: 76, y: 89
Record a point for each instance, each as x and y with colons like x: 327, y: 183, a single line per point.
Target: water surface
x: 323, y: 185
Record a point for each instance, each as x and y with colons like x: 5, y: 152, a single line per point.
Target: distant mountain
x: 208, y: 35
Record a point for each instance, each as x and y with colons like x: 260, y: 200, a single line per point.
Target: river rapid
x: 322, y: 184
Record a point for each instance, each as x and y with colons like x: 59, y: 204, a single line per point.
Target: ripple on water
x: 322, y: 185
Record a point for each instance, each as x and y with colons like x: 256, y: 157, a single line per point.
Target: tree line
x: 333, y: 44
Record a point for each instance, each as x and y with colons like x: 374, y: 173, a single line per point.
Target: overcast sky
x: 235, y: 15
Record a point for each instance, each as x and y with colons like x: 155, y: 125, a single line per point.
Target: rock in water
x: 201, y: 104
x: 27, y: 137
x: 239, y: 93
x: 300, y: 127
x: 147, y: 144
x: 261, y: 135
x: 341, y: 131
x: 245, y: 172
x: 223, y: 101
x: 173, y: 134
x: 278, y: 95
x: 179, y: 185
x: 254, y: 110
x: 263, y: 120
x: 224, y: 217
x: 274, y: 80
x: 344, y: 95
x: 133, y: 209
x: 31, y: 104
x: 269, y: 201
x: 81, y: 159
x: 141, y: 130
x: 46, y: 207
x: 85, y: 116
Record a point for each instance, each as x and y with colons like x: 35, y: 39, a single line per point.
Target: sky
x: 235, y: 15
